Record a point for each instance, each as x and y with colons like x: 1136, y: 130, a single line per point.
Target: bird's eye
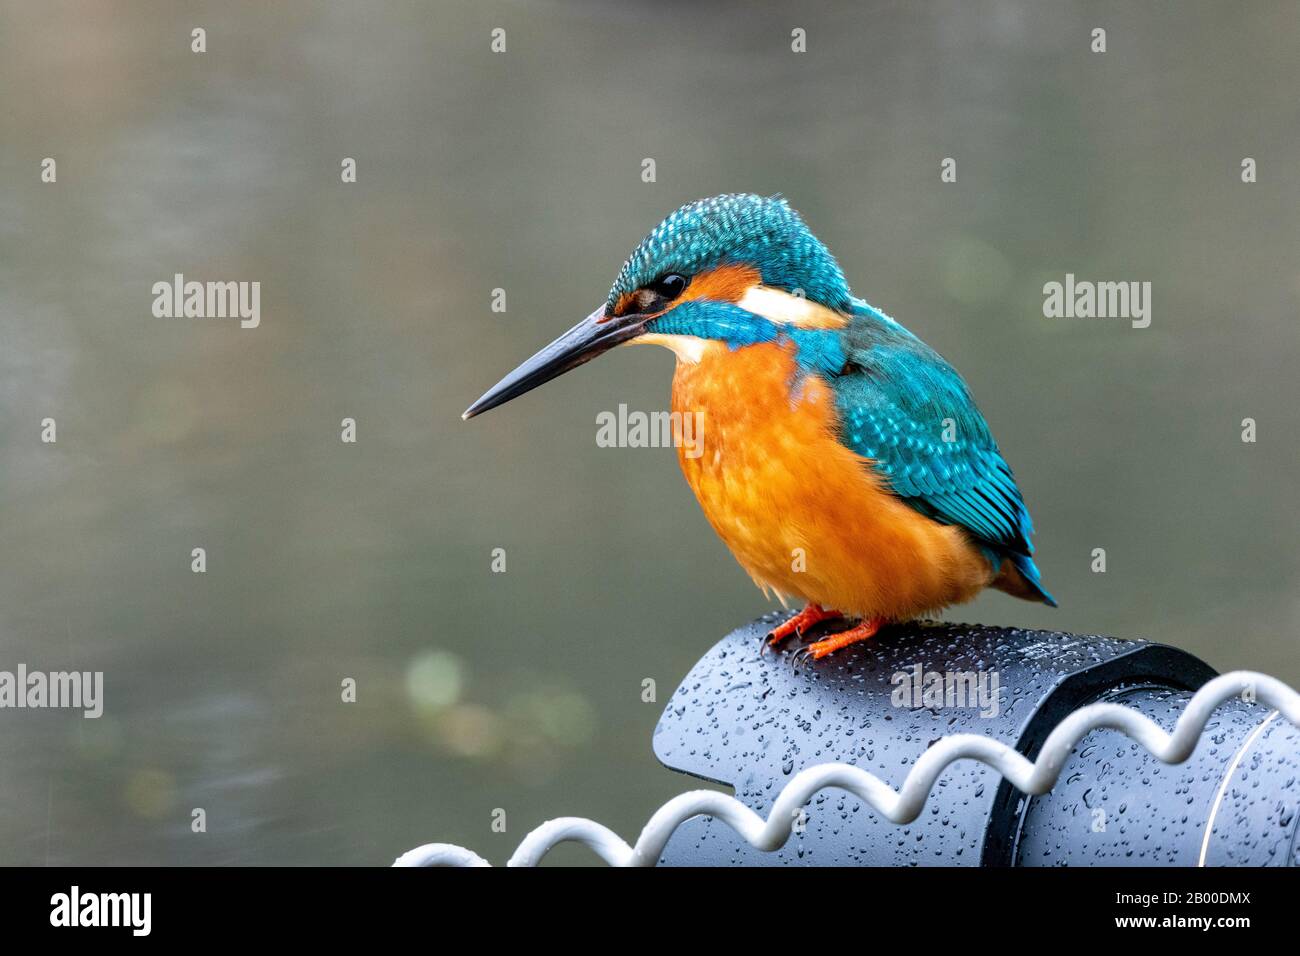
x: 668, y: 287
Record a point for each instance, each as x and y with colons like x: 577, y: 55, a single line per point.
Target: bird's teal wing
x: 908, y: 411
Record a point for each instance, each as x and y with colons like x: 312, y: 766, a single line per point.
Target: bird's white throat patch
x: 688, y: 348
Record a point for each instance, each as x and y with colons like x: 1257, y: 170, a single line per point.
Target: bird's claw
x: 800, y: 623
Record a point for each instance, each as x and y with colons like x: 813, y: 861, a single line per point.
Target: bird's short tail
x: 1019, y: 577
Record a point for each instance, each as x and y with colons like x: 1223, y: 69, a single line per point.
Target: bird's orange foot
x: 812, y: 614
x: 860, y: 632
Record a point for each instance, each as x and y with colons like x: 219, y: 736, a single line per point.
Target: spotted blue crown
x: 742, y: 229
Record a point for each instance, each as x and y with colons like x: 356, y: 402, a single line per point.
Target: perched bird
x: 843, y: 461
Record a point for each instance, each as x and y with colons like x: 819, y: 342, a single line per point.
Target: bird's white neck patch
x: 777, y: 305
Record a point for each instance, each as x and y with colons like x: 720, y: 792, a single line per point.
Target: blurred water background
x: 522, y: 691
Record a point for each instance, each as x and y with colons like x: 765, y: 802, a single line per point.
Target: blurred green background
x: 522, y: 691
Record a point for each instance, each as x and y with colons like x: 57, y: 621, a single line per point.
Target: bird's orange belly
x: 804, y: 515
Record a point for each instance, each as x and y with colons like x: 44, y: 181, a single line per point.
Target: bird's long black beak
x: 594, y: 335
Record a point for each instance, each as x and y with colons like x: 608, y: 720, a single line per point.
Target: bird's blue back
x: 905, y: 408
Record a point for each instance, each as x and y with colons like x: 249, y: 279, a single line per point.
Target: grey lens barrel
x: 750, y: 721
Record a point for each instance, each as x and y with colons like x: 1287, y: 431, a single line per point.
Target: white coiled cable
x: 901, y: 806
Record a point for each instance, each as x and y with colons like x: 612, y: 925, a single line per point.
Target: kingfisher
x: 843, y: 461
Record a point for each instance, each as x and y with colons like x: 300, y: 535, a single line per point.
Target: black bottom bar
x: 682, y: 907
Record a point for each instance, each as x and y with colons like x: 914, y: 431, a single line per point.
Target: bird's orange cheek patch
x: 723, y: 284
x: 623, y: 306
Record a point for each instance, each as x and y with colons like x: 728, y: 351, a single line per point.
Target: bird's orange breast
x: 804, y: 515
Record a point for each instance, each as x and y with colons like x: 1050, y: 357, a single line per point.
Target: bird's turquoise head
x: 742, y: 230
x: 737, y: 268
